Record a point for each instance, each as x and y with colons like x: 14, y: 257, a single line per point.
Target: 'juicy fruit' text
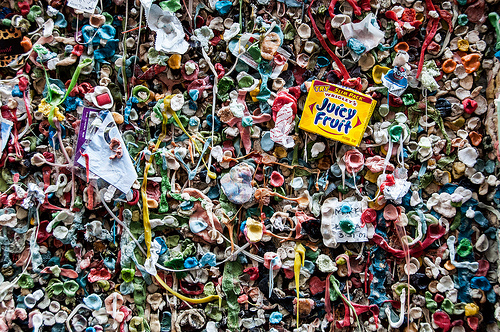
x: 337, y: 117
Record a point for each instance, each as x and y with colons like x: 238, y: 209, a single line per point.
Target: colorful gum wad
x: 336, y: 112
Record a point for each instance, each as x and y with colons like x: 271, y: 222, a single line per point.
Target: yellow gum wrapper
x: 336, y: 112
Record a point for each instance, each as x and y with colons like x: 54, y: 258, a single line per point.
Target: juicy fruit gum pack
x: 337, y: 112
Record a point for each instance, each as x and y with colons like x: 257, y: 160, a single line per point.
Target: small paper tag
x: 334, y: 213
x: 87, y: 6
x: 119, y: 172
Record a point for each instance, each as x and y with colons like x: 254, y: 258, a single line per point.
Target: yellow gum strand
x: 300, y: 253
x: 187, y: 299
x: 145, y: 209
x: 51, y: 111
x: 166, y: 101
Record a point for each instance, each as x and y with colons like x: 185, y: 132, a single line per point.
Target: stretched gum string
x: 145, y: 211
x: 214, y: 96
x: 192, y: 173
x: 360, y: 309
x: 179, y: 123
x: 399, y: 322
x: 72, y: 84
x: 300, y: 252
x: 331, y: 37
x: 367, y: 274
x: 404, y: 244
x: 271, y: 276
x: 17, y: 145
x: 331, y: 8
x: 87, y: 171
x: 347, y: 305
x: 187, y: 299
x: 431, y: 32
x: 434, y: 232
x: 355, y: 7
x: 90, y: 194
x: 26, y: 103
x: 497, y: 104
x: 330, y: 315
x: 344, y: 256
x: 339, y: 63
x: 74, y: 79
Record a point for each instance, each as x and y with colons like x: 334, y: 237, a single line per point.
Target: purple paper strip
x: 82, y: 133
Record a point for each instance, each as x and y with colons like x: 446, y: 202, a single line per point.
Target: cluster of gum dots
x: 225, y: 222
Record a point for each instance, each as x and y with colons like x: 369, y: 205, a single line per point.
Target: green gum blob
x: 289, y: 31
x: 213, y: 311
x: 104, y: 285
x: 3, y: 185
x: 172, y: 241
x: 109, y: 17
x: 493, y: 18
x: 70, y: 288
x: 246, y: 81
x: 136, y: 228
x: 347, y: 226
x: 456, y: 221
x: 281, y: 191
x: 128, y: 275
x: 395, y: 132
x: 35, y: 11
x: 70, y: 301
x: 189, y: 250
x: 408, y: 99
x: 176, y: 262
x: 209, y: 289
x: 139, y: 295
x: 55, y: 287
x: 429, y: 302
x: 426, y: 180
x: 78, y: 202
x: 254, y: 51
x: 241, y: 66
x: 32, y: 140
x: 224, y: 86
x: 6, y: 176
x: 25, y: 281
x: 312, y: 255
x: 70, y: 255
x: 171, y: 5
x: 464, y: 248
x: 399, y: 289
x: 138, y: 324
x: 231, y: 287
x: 342, y: 189
x: 448, y: 306
x: 445, y: 161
